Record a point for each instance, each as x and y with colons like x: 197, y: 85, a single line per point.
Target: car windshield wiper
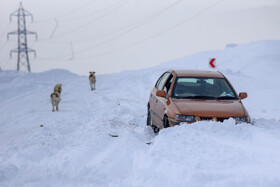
x: 226, y: 97
x: 201, y: 97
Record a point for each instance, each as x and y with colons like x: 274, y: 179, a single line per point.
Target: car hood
x: 210, y: 108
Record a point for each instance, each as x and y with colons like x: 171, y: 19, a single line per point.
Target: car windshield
x: 203, y: 88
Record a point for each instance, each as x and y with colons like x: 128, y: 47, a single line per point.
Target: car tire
x: 149, y: 118
x: 165, y: 122
x: 155, y: 129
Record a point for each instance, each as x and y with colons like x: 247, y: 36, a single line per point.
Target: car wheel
x: 155, y: 129
x: 165, y: 122
x: 149, y: 119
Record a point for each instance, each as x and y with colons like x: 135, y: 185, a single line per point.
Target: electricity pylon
x: 22, y: 49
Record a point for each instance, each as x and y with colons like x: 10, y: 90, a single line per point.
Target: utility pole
x: 22, y: 49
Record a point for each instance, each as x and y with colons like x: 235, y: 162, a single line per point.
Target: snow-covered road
x: 73, y: 147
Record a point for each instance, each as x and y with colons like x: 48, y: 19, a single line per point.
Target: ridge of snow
x: 74, y: 147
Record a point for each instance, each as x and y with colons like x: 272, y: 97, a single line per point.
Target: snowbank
x: 77, y: 145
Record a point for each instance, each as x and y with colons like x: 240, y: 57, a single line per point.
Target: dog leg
x: 91, y: 86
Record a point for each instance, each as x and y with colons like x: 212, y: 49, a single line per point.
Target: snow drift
x: 74, y: 147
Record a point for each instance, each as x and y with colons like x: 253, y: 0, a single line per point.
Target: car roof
x: 197, y: 73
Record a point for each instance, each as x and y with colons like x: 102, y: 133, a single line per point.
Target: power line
x: 91, y: 13
x: 129, y: 30
x: 140, y: 41
x: 94, y: 20
x: 77, y: 9
x: 66, y: 13
x: 155, y: 35
x: 54, y: 28
x: 57, y: 21
x: 135, y: 26
x: 145, y: 19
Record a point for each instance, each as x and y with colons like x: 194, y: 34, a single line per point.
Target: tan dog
x: 92, y: 80
x: 58, y: 88
x: 55, y: 99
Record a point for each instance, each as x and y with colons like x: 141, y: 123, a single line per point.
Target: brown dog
x: 55, y: 99
x: 58, y: 88
x: 92, y: 80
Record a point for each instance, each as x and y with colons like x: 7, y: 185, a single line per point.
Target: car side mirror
x: 161, y: 93
x: 243, y: 95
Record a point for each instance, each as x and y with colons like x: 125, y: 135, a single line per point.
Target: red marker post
x: 212, y: 62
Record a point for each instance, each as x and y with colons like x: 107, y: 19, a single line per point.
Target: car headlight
x: 241, y: 119
x: 186, y: 118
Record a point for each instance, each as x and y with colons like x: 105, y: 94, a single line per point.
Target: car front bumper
x: 238, y: 120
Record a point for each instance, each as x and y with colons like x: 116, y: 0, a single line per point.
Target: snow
x: 211, y: 154
x: 74, y: 146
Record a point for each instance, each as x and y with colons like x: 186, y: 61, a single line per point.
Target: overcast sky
x: 115, y: 35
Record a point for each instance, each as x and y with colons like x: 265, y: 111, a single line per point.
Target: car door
x: 152, y: 103
x: 153, y: 99
x: 161, y: 101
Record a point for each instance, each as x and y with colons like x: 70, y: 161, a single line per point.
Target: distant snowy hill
x: 73, y: 147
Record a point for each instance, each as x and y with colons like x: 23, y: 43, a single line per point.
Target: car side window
x: 158, y: 81
x: 168, y: 83
x: 163, y: 80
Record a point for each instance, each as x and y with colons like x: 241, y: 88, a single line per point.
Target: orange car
x: 193, y: 95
